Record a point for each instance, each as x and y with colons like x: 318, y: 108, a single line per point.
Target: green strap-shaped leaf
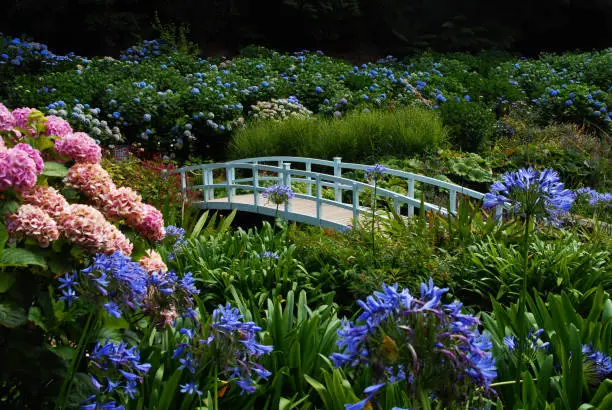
x: 21, y: 257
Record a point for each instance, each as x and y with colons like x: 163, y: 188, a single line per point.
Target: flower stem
x: 373, y: 220
x: 522, y: 329
x: 76, y: 360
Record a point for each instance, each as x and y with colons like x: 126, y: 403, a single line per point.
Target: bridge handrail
x: 319, y: 179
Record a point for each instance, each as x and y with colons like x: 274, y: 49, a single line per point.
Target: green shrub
x: 357, y: 137
x: 470, y: 125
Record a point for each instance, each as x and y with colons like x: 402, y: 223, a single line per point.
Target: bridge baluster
x: 410, y: 195
x: 318, y: 198
x: 355, y: 204
x: 337, y: 173
x: 309, y: 179
x: 184, y: 185
x: 255, y: 170
x: 453, y: 202
x: 287, y: 182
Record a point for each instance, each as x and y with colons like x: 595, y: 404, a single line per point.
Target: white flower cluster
x: 280, y: 109
x: 86, y: 120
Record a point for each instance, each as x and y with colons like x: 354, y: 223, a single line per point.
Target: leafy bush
x: 356, y: 137
x: 470, y: 125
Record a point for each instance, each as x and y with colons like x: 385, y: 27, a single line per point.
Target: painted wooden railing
x: 293, y: 170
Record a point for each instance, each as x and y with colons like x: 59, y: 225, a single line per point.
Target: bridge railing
x: 282, y: 172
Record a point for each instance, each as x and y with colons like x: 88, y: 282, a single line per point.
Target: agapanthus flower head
x: 47, y: 198
x: 152, y: 262
x: 375, y: 173
x: 114, y: 368
x: 268, y: 255
x: 79, y: 147
x: 441, y: 337
x: 595, y: 198
x: 33, y: 222
x: 57, y: 127
x: 278, y: 194
x: 531, y: 192
x: 7, y: 120
x: 598, y: 366
x: 18, y: 170
x: 91, y: 179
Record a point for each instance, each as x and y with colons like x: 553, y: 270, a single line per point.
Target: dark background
x: 350, y: 28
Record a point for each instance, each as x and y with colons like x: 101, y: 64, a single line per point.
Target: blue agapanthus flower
x: 375, y: 172
x: 531, y: 192
x: 440, y: 336
x: 278, y: 194
x: 599, y: 364
x: 595, y: 198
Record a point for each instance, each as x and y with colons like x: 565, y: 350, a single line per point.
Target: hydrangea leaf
x: 6, y: 281
x: 21, y: 257
x: 12, y: 316
x: 54, y: 169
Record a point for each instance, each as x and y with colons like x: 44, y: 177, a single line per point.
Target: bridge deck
x: 306, y: 207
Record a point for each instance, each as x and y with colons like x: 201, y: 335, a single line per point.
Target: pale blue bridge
x: 320, y: 189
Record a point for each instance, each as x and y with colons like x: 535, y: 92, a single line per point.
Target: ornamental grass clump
x: 423, y: 345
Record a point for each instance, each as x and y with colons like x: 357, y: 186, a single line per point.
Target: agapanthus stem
x: 522, y: 326
x: 373, y: 221
x: 76, y: 360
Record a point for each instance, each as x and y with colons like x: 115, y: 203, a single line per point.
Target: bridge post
x: 309, y: 179
x: 499, y: 212
x: 453, y: 202
x: 184, y: 185
x: 255, y: 184
x: 286, y: 177
x: 231, y: 177
x: 318, y: 198
x: 411, y: 195
x: 337, y: 173
x: 355, y: 204
x: 228, y: 183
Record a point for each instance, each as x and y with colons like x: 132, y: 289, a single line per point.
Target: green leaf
x: 6, y: 281
x: 12, y: 316
x: 3, y: 236
x: 54, y: 169
x: 35, y: 316
x: 21, y: 257
x: 9, y: 207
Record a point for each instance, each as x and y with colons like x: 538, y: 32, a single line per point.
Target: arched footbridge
x: 327, y: 193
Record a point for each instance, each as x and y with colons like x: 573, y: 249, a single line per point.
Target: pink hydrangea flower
x: 17, y: 170
x: 46, y: 198
x: 115, y: 240
x: 119, y: 203
x: 33, y: 222
x: 7, y: 120
x: 57, y: 127
x: 79, y: 147
x: 85, y: 226
x: 34, y: 154
x: 91, y: 179
x: 152, y: 262
x: 21, y: 116
x: 149, y: 222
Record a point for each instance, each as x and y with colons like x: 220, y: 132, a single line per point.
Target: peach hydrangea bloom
x: 7, y: 120
x: 115, y: 240
x: 57, y: 127
x: 149, y: 222
x: 119, y: 203
x: 152, y: 262
x: 79, y: 147
x: 85, y: 226
x: 33, y: 222
x: 17, y: 169
x: 91, y: 179
x: 46, y: 198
